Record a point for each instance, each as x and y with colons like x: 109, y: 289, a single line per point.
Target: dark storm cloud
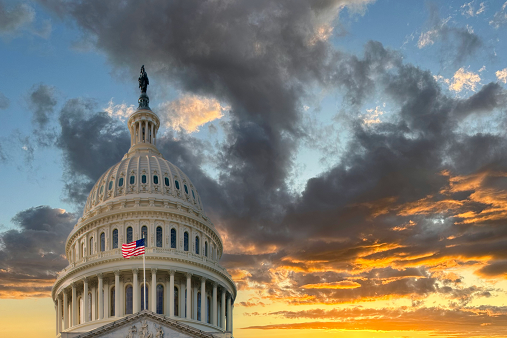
x: 42, y: 102
x: 4, y: 102
x: 33, y: 251
x: 91, y: 142
x: 13, y: 18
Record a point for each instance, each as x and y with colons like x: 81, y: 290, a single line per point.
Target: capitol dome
x: 144, y: 196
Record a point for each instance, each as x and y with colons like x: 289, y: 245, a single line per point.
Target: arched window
x: 206, y: 249
x: 101, y: 189
x: 185, y: 241
x: 176, y: 301
x: 147, y: 297
x: 91, y: 246
x: 144, y: 233
x: 110, y: 185
x: 159, y: 237
x: 186, y: 189
x: 160, y: 299
x: 115, y: 239
x: 198, y: 306
x: 112, y: 302
x: 155, y: 179
x: 129, y: 305
x: 130, y: 234
x: 166, y: 181
x: 143, y: 179
x: 177, y: 184
x: 132, y: 179
x: 102, y: 242
x: 120, y: 183
x: 89, y: 306
x: 208, y: 310
x: 196, y: 244
x: 173, y: 238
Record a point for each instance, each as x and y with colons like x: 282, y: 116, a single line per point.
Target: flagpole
x: 144, y: 272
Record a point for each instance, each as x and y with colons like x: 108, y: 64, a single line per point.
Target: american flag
x: 135, y: 248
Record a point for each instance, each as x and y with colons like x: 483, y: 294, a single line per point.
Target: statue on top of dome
x: 143, y: 80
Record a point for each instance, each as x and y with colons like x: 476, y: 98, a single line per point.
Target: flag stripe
x: 135, y: 248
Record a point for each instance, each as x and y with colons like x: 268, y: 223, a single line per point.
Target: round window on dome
x: 155, y: 179
x: 177, y: 184
x: 120, y: 183
x: 186, y: 189
x: 143, y: 179
x: 110, y: 185
x: 132, y: 179
x: 166, y: 181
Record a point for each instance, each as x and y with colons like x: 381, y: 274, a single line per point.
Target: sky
x: 351, y: 153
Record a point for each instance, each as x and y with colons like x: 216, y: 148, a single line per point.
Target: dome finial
x: 144, y: 100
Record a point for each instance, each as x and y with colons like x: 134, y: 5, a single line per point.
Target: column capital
x: 203, y: 279
x: 214, y: 284
x: 135, y: 271
x: 116, y: 272
x: 188, y: 274
x: 85, y: 280
x: 172, y: 272
x: 154, y: 270
x: 100, y: 275
x: 73, y: 285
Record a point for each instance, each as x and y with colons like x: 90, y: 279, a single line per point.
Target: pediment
x: 145, y: 324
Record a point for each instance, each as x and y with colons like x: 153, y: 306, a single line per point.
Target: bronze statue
x: 143, y: 80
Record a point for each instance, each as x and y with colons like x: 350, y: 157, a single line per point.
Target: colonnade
x: 92, y: 298
x: 143, y: 132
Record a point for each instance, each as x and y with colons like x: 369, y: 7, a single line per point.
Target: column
x: 59, y: 315
x: 203, y: 300
x: 229, y: 313
x: 117, y: 293
x: 139, y: 132
x: 121, y: 295
x: 222, y: 308
x: 132, y: 135
x: 166, y: 296
x: 215, y: 305
x: 101, y: 296
x: 145, y: 132
x: 171, y: 293
x: 65, y: 310
x: 154, y: 290
x: 182, y: 298
x: 195, y: 290
x: 151, y: 135
x: 94, y: 301
x: 135, y: 294
x: 106, y: 298
x: 189, y: 296
x: 74, y: 305
x: 85, y: 300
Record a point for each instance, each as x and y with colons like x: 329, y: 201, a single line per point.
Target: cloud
x: 4, y: 102
x: 464, y: 80
x: 469, y: 10
x: 12, y: 19
x: 33, y: 251
x: 501, y: 75
x: 42, y: 101
x: 500, y: 17
x: 120, y: 111
x: 189, y: 112
x: 457, y: 42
